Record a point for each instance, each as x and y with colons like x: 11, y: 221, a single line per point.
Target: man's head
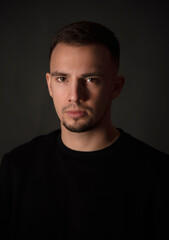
x: 83, y: 80
x: 88, y: 33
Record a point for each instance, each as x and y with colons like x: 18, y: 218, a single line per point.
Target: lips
x: 76, y: 114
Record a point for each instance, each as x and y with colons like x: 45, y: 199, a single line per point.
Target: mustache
x: 76, y: 107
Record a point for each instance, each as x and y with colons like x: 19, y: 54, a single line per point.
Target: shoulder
x: 136, y: 146
x: 29, y: 150
x: 146, y: 158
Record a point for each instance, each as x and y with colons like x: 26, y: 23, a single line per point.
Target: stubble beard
x: 85, y: 123
x: 78, y: 125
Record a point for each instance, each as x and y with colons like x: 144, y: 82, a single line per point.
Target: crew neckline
x: 89, y: 154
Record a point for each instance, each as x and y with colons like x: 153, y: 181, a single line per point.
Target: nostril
x: 79, y: 99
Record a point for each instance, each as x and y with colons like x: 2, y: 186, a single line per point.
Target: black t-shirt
x: 48, y: 191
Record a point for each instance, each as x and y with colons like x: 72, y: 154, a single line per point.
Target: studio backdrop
x: 26, y: 109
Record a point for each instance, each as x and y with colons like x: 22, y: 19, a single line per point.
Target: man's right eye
x: 61, y: 79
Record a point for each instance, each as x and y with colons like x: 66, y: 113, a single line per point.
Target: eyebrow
x: 84, y: 75
x: 97, y: 74
x: 56, y: 73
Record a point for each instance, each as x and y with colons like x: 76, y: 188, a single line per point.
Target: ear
x: 48, y: 80
x: 118, y: 86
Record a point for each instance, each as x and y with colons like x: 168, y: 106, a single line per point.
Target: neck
x: 96, y: 139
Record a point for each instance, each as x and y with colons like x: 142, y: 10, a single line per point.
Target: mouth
x: 76, y: 114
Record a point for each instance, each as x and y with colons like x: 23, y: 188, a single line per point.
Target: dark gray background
x: 26, y: 32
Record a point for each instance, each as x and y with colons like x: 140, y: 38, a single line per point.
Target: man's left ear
x: 118, y: 86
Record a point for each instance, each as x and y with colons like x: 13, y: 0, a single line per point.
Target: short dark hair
x: 86, y: 33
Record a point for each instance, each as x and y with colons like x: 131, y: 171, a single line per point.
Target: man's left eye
x: 90, y: 79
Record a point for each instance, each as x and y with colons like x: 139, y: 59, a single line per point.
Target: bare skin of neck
x: 98, y: 138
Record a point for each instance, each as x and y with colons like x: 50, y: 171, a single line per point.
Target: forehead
x: 86, y: 56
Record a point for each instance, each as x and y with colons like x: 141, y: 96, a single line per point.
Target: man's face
x: 82, y: 82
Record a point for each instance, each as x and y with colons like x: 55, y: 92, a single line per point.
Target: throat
x: 91, y: 140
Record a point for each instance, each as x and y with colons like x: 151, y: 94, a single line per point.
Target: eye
x: 61, y: 79
x: 90, y: 80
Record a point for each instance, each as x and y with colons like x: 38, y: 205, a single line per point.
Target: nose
x: 76, y: 91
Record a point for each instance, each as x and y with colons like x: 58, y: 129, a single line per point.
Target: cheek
x: 102, y: 102
x: 102, y: 97
x: 58, y: 102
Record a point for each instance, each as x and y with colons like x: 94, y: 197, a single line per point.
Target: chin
x: 77, y: 127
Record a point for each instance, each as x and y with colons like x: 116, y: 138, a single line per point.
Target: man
x: 87, y: 180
